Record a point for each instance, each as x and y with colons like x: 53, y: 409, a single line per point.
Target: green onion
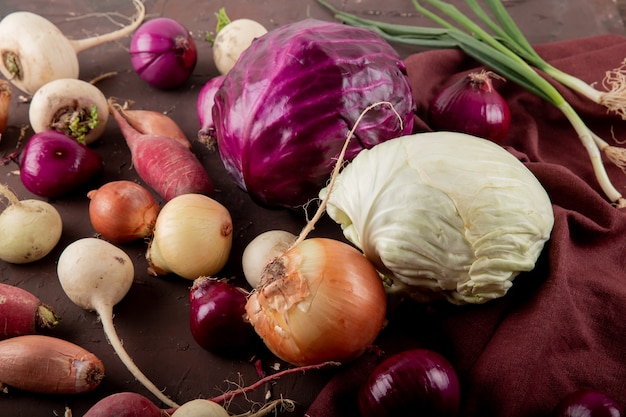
x: 507, y: 53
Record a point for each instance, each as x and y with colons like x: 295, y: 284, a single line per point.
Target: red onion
x: 53, y: 164
x: 163, y: 53
x: 588, y: 403
x: 413, y: 382
x: 205, y: 103
x: 471, y: 105
x: 217, y: 316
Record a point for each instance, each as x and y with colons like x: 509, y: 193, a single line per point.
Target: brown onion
x: 320, y: 301
x: 122, y: 211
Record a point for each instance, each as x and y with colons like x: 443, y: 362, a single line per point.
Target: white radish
x: 200, y: 408
x: 261, y: 251
x: 34, y: 51
x: 71, y: 106
x: 29, y: 229
x: 233, y: 37
x: 96, y: 275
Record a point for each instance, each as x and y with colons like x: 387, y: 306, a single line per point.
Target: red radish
x: 48, y: 365
x: 125, y: 404
x: 164, y: 164
x: 22, y: 313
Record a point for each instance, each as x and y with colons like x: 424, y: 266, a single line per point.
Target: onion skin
x: 192, y: 237
x: 588, y: 403
x: 163, y: 53
x: 320, y: 301
x: 471, y: 105
x: 216, y: 319
x: 53, y: 164
x: 414, y: 381
x: 22, y: 313
x: 48, y: 365
x: 125, y: 404
x: 122, y: 211
x: 204, y: 107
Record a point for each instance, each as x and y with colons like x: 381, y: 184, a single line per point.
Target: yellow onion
x: 122, y: 211
x: 192, y: 237
x: 319, y: 301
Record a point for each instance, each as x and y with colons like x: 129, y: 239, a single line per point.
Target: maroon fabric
x: 563, y: 326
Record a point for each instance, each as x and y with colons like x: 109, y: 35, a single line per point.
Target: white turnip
x: 70, y: 106
x: 29, y: 229
x: 34, y: 51
x: 96, y: 275
x: 233, y: 37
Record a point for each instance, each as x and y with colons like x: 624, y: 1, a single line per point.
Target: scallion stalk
x: 499, y: 57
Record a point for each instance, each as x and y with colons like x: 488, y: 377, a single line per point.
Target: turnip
x: 200, y: 408
x: 48, y: 365
x: 74, y: 107
x: 22, y: 313
x: 34, y: 51
x: 233, y: 37
x: 96, y: 275
x: 29, y: 229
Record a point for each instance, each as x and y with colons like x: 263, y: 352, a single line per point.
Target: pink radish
x: 165, y: 165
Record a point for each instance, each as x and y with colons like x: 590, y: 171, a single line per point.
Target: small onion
x: 204, y: 107
x: 122, y: 211
x: 588, y: 403
x: 217, y: 316
x: 471, y: 105
x: 319, y: 301
x: 414, y: 381
x: 192, y: 237
x: 163, y: 53
x: 262, y: 250
x: 53, y: 164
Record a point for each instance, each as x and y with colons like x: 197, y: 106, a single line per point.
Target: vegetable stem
x: 512, y: 58
x: 105, y: 311
x: 83, y: 44
x: 9, y: 195
x: 335, y: 173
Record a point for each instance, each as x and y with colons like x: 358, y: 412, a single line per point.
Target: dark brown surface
x: 152, y: 320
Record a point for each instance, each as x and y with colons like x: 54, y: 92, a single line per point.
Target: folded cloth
x: 562, y: 326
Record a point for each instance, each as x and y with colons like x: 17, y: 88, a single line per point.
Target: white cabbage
x: 443, y: 214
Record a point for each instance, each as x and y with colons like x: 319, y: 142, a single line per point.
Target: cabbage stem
x: 499, y: 56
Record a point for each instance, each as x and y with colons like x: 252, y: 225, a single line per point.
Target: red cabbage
x: 286, y: 108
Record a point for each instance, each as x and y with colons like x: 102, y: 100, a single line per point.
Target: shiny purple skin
x: 588, y: 403
x: 286, y: 108
x: 204, y: 107
x: 471, y: 107
x: 163, y: 53
x: 53, y: 164
x: 414, y: 382
x: 217, y: 316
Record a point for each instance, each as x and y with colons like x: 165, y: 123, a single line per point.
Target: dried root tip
x: 621, y: 203
x: 614, y: 99
x: 616, y: 155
